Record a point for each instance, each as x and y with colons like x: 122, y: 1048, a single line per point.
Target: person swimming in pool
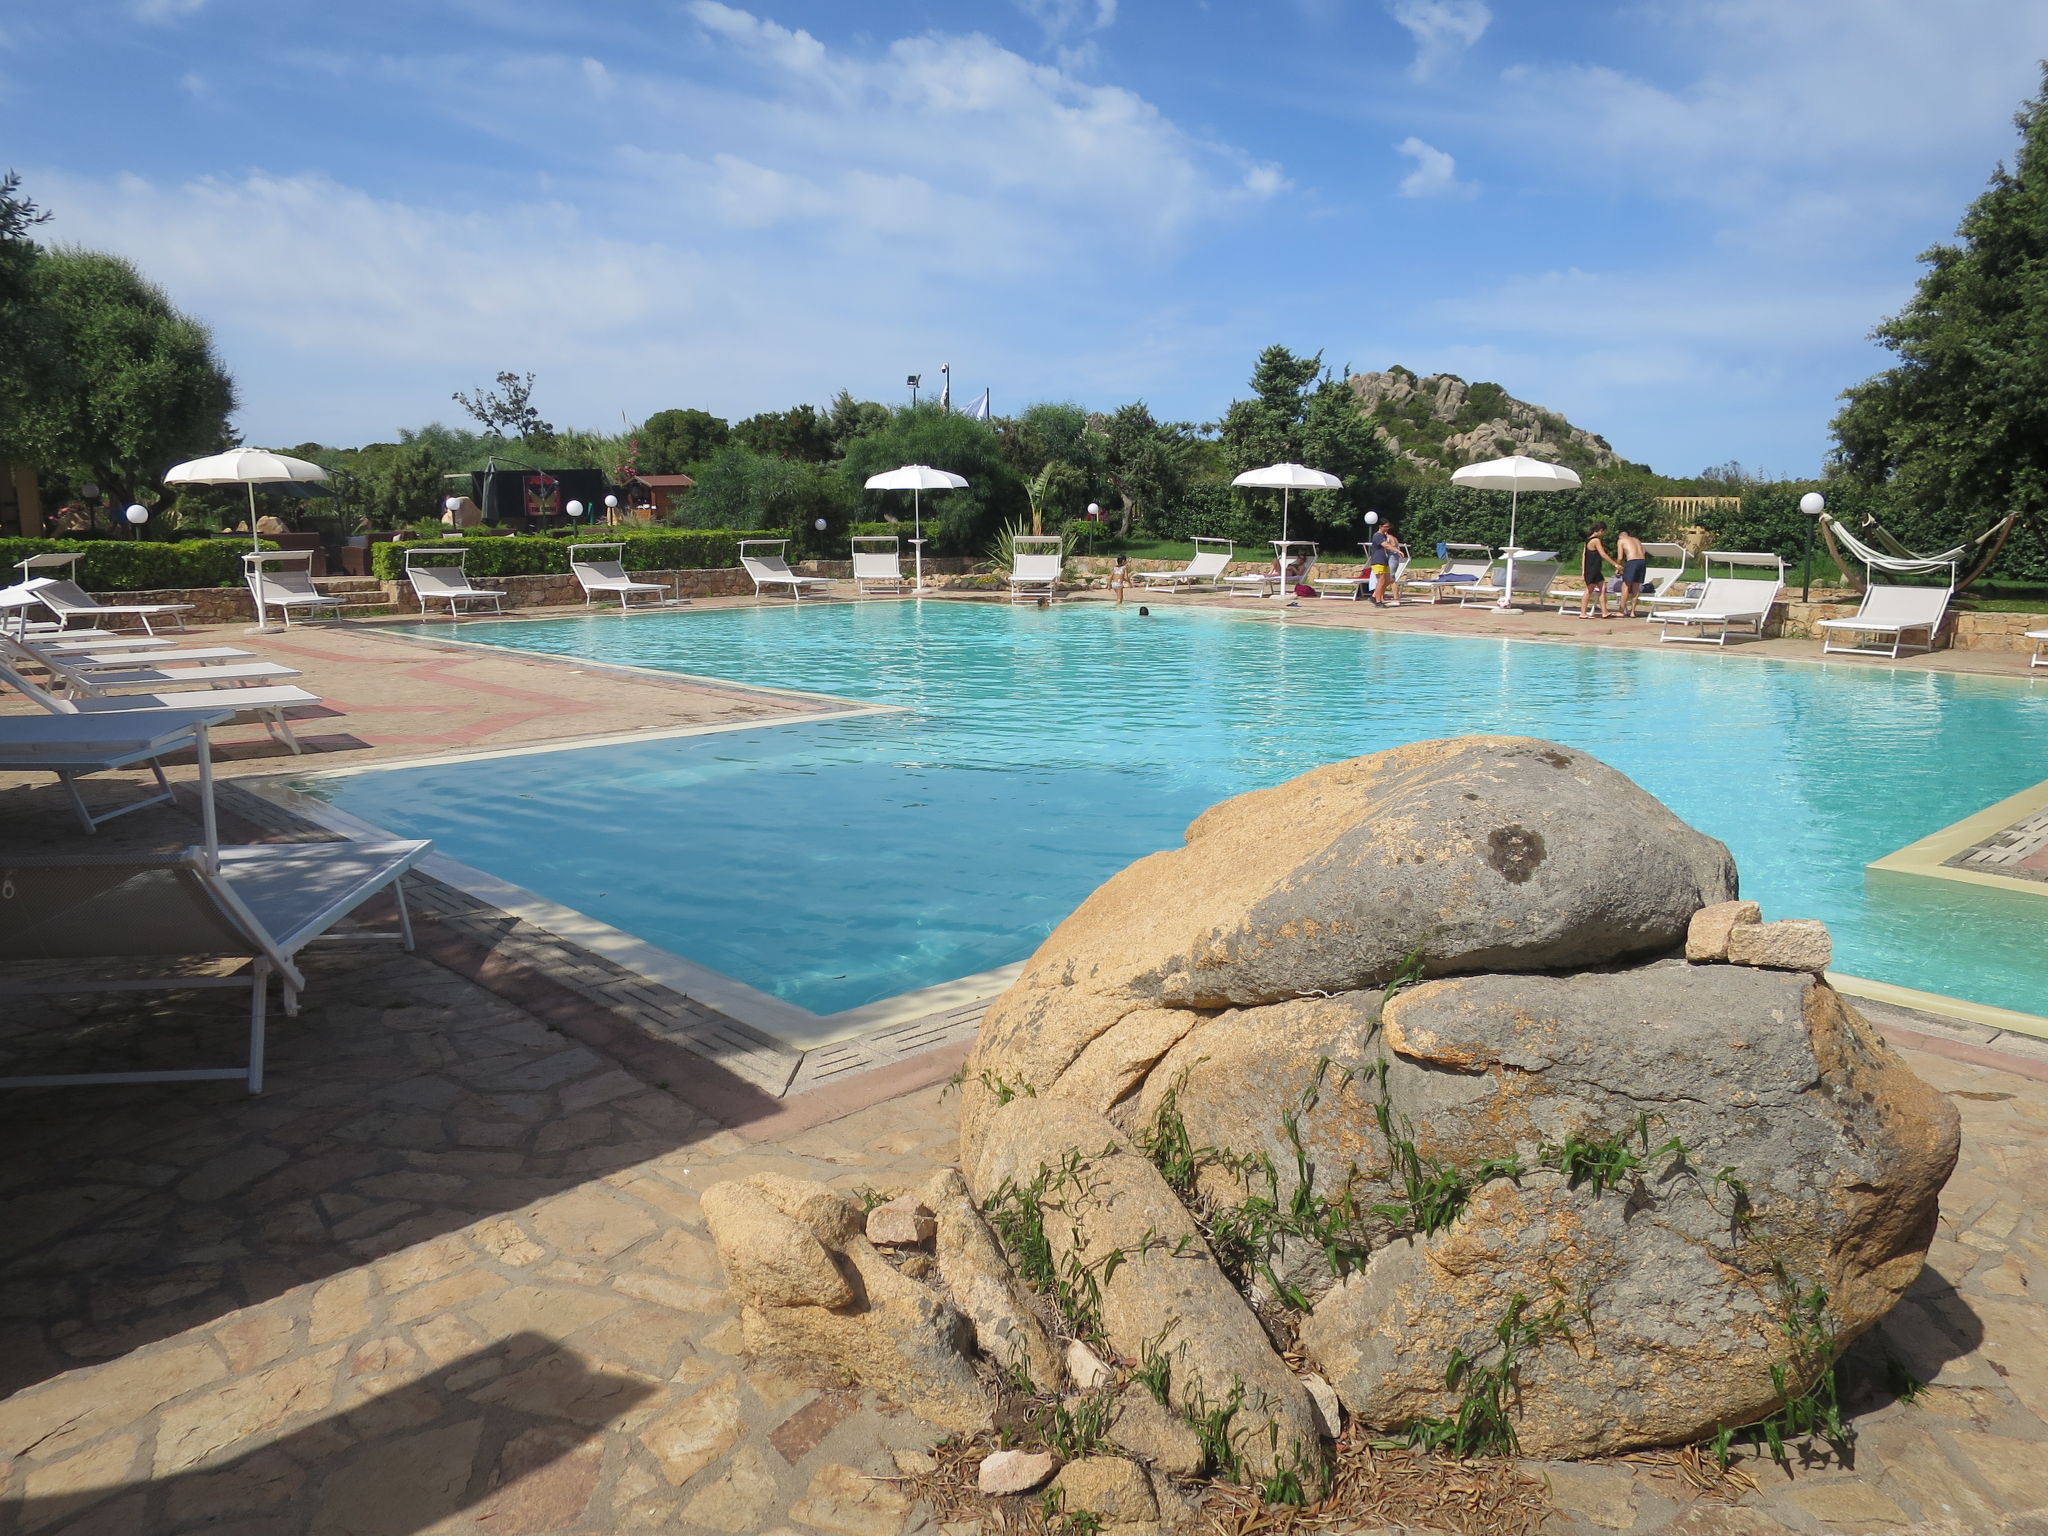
x: 1593, y: 563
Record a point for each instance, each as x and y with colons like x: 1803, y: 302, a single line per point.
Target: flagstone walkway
x: 447, y: 1275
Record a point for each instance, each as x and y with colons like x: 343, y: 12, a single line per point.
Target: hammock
x: 1903, y: 561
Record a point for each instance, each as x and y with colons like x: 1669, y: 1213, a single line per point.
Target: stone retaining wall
x: 558, y: 590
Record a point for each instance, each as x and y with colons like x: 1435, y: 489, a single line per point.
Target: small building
x: 657, y: 493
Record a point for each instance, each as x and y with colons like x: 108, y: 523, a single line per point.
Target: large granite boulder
x: 1668, y: 1178
x: 1720, y: 1142
x: 1477, y: 854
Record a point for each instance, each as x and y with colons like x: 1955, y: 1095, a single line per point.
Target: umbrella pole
x: 1507, y: 594
x: 917, y: 534
x: 1280, y: 554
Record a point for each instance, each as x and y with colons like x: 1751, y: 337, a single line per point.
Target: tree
x: 1301, y: 414
x: 958, y: 522
x: 1958, y: 429
x: 142, y: 387
x: 849, y: 418
x: 739, y: 488
x: 508, y: 411
x: 797, y: 433
x: 671, y: 441
x: 28, y: 360
x: 1146, y: 460
x: 407, y: 485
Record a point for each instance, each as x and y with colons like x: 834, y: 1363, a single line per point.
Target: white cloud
x: 1060, y: 19
x: 1435, y: 173
x: 801, y: 217
x: 195, y: 85
x: 1442, y: 29
x: 164, y: 11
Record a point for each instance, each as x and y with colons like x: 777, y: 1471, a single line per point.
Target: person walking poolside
x: 1384, y: 554
x: 1593, y: 562
x: 1120, y: 578
x: 1634, y: 561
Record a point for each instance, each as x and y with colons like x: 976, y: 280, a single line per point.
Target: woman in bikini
x: 1593, y: 562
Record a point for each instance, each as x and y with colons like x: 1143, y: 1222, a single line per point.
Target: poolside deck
x: 447, y: 1273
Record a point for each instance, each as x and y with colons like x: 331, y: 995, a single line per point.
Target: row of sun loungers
x: 127, y: 922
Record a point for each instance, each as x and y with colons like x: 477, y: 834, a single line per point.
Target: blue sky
x: 1673, y: 220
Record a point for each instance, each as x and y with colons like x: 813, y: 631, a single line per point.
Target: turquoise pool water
x: 1040, y: 751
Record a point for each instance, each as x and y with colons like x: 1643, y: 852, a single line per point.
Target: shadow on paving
x: 404, y: 1102
x: 470, y: 1433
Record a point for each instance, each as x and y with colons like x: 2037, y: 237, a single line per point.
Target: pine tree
x: 1959, y: 427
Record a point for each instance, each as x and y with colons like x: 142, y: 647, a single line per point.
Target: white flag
x: 978, y: 411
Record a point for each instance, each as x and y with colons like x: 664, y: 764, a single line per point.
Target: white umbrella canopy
x: 917, y: 479
x: 1515, y: 474
x: 1287, y: 479
x: 244, y: 466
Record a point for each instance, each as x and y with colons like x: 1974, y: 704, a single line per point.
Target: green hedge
x: 137, y: 565
x: 666, y: 549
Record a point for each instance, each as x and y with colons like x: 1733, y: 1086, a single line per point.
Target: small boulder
x: 772, y: 1257
x: 1155, y: 1434
x: 1706, y: 936
x: 901, y: 1223
x: 1086, y: 1367
x: 778, y: 1238
x: 1796, y: 944
x: 978, y: 1278
x: 1329, y: 1411
x: 1113, y: 1487
x: 1164, y: 1288
x: 1010, y: 1472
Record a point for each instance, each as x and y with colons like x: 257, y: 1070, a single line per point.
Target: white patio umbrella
x: 1286, y: 479
x: 244, y: 466
x: 917, y: 479
x: 1515, y: 474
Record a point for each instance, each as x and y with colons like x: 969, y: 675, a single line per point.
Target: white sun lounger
x: 1667, y: 565
x: 605, y: 575
x: 69, y: 602
x: 2040, y: 656
x: 878, y: 568
x: 771, y: 571
x: 1300, y: 569
x: 273, y: 584
x: 1036, y: 561
x: 144, y: 671
x: 1464, y: 565
x: 1356, y: 587
x: 157, y: 912
x: 268, y: 704
x: 1893, y: 612
x: 1532, y: 580
x: 1205, y: 569
x: 1726, y: 605
x: 71, y: 746
x: 446, y: 582
x: 95, y: 660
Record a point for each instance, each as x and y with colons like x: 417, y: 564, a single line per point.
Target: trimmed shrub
x: 138, y: 565
x: 667, y: 549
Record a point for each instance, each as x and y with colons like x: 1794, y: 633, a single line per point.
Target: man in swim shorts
x: 1633, y: 560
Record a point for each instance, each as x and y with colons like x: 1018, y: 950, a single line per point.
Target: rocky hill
x: 1438, y: 422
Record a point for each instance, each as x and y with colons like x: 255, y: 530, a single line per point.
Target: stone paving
x: 448, y: 1275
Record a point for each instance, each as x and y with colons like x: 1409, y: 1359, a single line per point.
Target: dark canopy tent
x: 517, y: 497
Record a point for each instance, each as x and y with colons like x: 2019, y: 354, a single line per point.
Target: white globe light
x: 138, y: 514
x: 1372, y: 517
x: 451, y: 504
x: 1094, y: 510
x: 1813, y: 504
x: 574, y: 509
x: 821, y: 525
x: 612, y: 502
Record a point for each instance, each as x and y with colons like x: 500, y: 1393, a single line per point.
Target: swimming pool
x: 1035, y: 752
